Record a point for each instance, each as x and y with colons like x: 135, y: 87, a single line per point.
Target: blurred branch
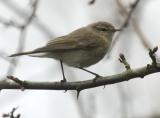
x: 29, y: 17
x: 24, y: 14
x: 81, y: 85
x: 4, y: 55
x: 129, y: 17
x: 33, y: 13
x: 129, y: 14
x: 11, y: 114
x: 23, y: 29
x: 20, y: 48
x: 91, y: 2
x: 9, y: 23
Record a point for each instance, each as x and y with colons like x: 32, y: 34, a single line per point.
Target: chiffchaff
x: 81, y: 48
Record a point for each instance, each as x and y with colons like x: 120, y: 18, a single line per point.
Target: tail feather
x: 38, y: 50
x: 22, y: 53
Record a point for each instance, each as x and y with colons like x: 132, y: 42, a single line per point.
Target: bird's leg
x: 97, y: 76
x: 64, y: 78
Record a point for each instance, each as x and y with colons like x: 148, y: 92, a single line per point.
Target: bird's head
x: 104, y: 29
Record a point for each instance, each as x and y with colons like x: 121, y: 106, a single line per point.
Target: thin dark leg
x: 90, y: 72
x: 64, y: 79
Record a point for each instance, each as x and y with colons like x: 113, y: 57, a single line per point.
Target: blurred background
x: 29, y: 24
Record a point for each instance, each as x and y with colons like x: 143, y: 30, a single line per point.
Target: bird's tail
x: 22, y: 53
x: 39, y: 50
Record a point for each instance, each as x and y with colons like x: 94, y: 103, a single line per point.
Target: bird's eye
x: 101, y: 28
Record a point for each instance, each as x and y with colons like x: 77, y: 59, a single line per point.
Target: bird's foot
x: 63, y: 80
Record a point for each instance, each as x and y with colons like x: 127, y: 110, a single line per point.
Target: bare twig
x: 123, y: 60
x: 152, y: 56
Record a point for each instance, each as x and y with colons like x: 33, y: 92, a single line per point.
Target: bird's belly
x: 81, y: 58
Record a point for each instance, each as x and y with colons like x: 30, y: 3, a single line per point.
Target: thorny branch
x: 81, y: 85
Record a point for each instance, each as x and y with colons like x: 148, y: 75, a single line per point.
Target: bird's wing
x: 79, y: 39
x: 71, y: 42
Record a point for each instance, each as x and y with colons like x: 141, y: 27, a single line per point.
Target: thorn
x: 63, y: 81
x: 78, y: 92
x: 142, y: 76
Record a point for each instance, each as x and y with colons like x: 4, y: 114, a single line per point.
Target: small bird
x: 81, y: 48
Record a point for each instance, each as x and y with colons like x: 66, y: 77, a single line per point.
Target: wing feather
x: 78, y: 39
